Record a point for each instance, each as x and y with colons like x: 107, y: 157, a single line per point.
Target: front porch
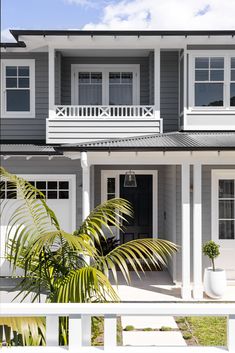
x: 184, y: 216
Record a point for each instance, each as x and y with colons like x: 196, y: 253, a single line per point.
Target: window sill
x: 17, y: 116
x: 216, y: 110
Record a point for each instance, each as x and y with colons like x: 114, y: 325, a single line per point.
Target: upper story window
x: 108, y: 84
x: 209, y: 82
x: 18, y: 83
x: 212, y: 81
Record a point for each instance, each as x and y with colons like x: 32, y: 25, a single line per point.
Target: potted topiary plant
x: 214, y: 278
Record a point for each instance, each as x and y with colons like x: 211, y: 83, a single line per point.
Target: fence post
x: 52, y: 330
x: 110, y: 331
x: 86, y: 330
x: 75, y: 333
x: 231, y: 333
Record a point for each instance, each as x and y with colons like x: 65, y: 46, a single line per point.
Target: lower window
x: 226, y: 209
x: 223, y: 205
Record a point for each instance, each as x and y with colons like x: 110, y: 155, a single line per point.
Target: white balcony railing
x: 83, y: 123
x: 79, y: 324
x: 105, y: 111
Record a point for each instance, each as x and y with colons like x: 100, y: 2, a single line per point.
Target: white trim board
x: 116, y: 173
x: 105, y: 69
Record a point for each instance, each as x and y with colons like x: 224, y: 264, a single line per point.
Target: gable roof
x: 166, y: 141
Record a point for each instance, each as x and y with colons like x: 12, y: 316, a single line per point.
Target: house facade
x: 80, y: 109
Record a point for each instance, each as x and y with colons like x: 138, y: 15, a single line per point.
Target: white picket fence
x: 80, y: 325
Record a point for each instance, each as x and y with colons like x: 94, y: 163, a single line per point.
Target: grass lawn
x: 98, y: 331
x: 204, y: 331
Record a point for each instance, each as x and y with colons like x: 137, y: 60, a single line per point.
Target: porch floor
x: 155, y: 286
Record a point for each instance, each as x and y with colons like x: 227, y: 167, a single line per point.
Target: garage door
x: 60, y: 192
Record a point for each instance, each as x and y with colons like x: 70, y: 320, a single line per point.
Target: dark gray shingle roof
x: 174, y: 140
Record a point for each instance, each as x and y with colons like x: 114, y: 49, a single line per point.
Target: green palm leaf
x: 137, y: 253
x: 31, y: 217
x: 110, y: 213
x: 86, y: 284
x: 22, y: 330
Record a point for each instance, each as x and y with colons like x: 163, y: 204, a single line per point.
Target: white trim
x: 51, y: 81
x: 157, y: 74
x: 185, y: 221
x: 116, y: 173
x: 72, y: 188
x: 227, y: 55
x: 197, y: 232
x: 216, y: 175
x: 85, y: 185
x: 105, y: 69
x: 161, y: 157
x: 18, y: 62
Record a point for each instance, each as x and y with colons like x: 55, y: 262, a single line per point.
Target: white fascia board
x: 159, y: 157
x: 111, y: 42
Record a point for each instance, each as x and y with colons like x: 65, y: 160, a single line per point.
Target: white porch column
x: 86, y: 319
x: 51, y: 81
x: 85, y: 185
x: 157, y: 80
x: 197, y: 232
x: 185, y: 200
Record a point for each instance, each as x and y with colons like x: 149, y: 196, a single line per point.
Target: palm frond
x: 110, y: 213
x: 22, y: 330
x: 86, y: 284
x: 137, y: 253
x: 31, y: 217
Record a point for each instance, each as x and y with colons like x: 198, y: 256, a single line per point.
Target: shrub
x: 165, y: 328
x: 211, y: 249
x: 187, y: 336
x: 129, y: 328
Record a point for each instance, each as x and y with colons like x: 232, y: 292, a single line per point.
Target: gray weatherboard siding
x: 66, y: 73
x: 30, y: 128
x: 35, y: 128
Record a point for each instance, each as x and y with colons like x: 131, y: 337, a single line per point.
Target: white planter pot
x: 215, y: 282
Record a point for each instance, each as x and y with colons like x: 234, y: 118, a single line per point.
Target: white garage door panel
x: 60, y: 191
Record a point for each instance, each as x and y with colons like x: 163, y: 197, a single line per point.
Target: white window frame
x: 18, y: 62
x: 105, y: 69
x: 105, y: 174
x: 191, y: 75
x: 71, y: 178
x: 217, y: 175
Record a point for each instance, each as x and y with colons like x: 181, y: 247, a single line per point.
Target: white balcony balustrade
x: 82, y: 123
x: 79, y: 337
x: 106, y: 111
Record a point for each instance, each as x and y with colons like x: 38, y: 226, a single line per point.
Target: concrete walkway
x: 149, y: 331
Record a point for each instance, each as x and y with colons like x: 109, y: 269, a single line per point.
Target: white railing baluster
x: 75, y: 333
x: 110, y: 332
x: 231, y: 333
x: 107, y: 111
x: 86, y: 330
x: 52, y: 330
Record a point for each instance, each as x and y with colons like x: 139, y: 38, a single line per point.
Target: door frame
x: 105, y: 69
x: 105, y: 174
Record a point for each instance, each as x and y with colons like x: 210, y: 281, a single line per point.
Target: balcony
x: 82, y: 123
